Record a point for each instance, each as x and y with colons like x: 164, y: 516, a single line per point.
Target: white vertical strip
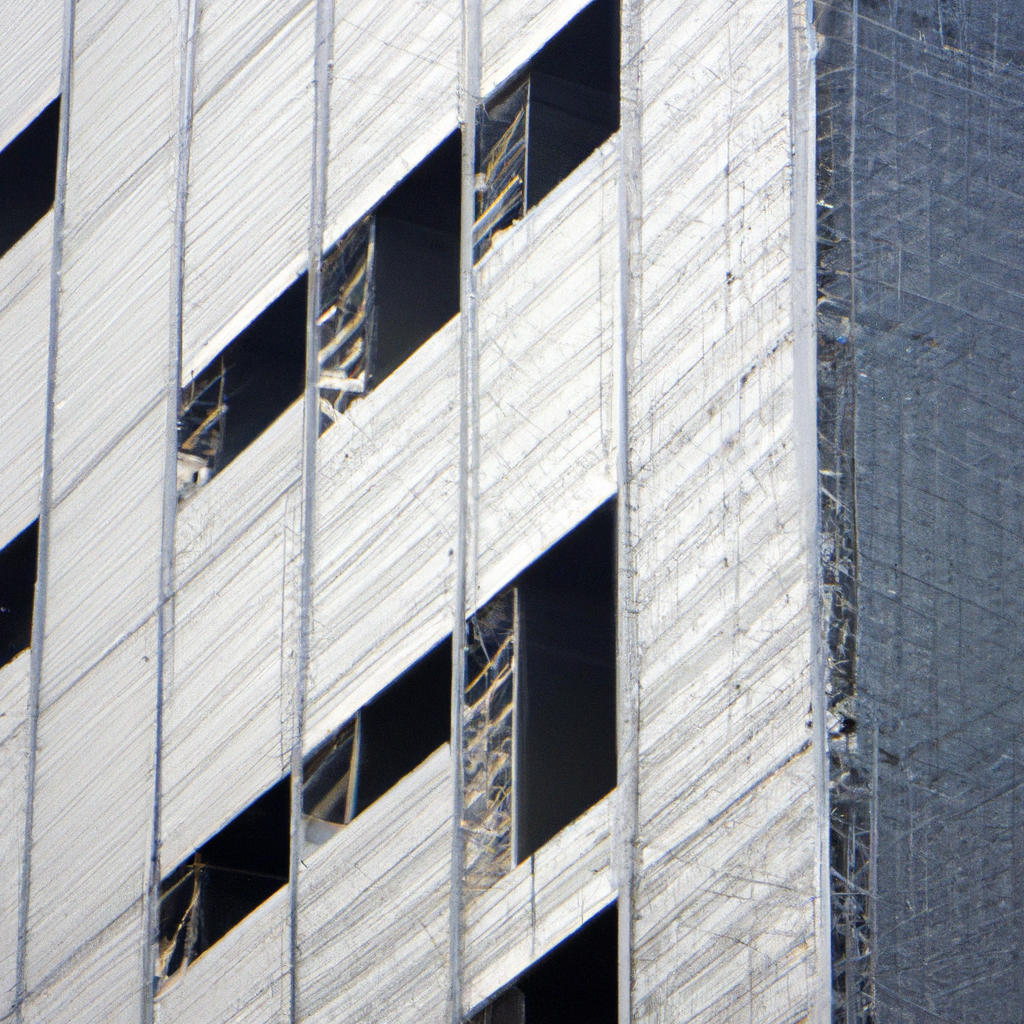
x: 469, y: 475
x: 310, y: 433
x: 45, y: 501
x: 803, y: 112
x: 627, y: 726
x: 165, y: 586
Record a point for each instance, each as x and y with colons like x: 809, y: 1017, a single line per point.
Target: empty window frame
x: 227, y: 878
x: 398, y: 730
x: 391, y: 282
x: 576, y: 983
x: 17, y: 592
x: 542, y: 125
x: 28, y: 176
x: 539, y: 706
x: 223, y: 409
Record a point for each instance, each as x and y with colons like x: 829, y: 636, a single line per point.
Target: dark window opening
x: 226, y: 879
x: 565, y: 732
x: 576, y: 983
x: 28, y: 176
x: 232, y: 401
x: 391, y: 282
x: 537, y: 130
x: 17, y: 592
x: 539, y: 707
x: 389, y: 737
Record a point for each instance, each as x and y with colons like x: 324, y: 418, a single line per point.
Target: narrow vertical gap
x: 322, y: 58
x: 45, y: 505
x: 627, y: 338
x: 165, y: 585
x: 469, y: 460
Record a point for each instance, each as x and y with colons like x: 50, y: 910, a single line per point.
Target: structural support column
x: 165, y: 595
x: 322, y: 59
x: 45, y: 503
x: 469, y: 471
x: 805, y: 428
x: 627, y: 649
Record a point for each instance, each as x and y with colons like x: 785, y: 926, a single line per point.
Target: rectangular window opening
x: 28, y: 176
x: 576, y: 983
x: 539, y: 128
x: 17, y: 592
x: 539, y: 707
x: 223, y: 409
x: 386, y: 740
x: 226, y: 879
x: 391, y: 282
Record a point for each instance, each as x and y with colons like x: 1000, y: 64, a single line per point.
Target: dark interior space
x: 28, y: 176
x: 227, y: 878
x: 567, y: 123
x: 586, y: 51
x: 17, y: 592
x: 565, y: 712
x: 264, y: 371
x: 576, y: 983
x: 405, y: 724
x: 416, y: 263
x: 388, y: 738
x: 574, y: 97
x: 328, y: 779
x: 258, y: 839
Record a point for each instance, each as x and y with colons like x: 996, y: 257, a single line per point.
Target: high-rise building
x: 510, y: 512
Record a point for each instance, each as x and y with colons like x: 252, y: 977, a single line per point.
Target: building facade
x: 510, y: 511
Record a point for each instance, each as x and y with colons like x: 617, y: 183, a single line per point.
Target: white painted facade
x: 682, y: 288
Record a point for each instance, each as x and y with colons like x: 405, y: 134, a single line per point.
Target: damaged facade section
x: 243, y: 390
x: 385, y: 740
x: 227, y: 878
x: 390, y: 283
x: 487, y: 741
x: 245, y: 863
x: 539, y: 706
x: 329, y: 785
x: 345, y: 321
x: 202, y: 409
x: 502, y: 132
x: 538, y: 128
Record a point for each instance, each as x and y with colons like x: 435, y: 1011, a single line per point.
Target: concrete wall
x: 726, y: 871
x: 727, y: 827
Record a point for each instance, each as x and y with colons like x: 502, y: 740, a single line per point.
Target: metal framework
x: 346, y: 321
x: 503, y: 131
x: 488, y: 710
x: 201, y: 419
